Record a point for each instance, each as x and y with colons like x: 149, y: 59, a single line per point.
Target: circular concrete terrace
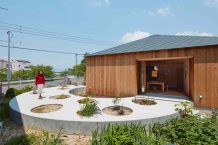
x: 67, y: 119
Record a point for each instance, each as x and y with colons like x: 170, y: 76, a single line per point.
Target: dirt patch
x: 117, y: 110
x: 65, y: 88
x: 144, y: 102
x: 62, y: 96
x: 47, y: 108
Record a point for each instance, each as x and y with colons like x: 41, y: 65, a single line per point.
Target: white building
x: 17, y: 65
x: 3, y: 63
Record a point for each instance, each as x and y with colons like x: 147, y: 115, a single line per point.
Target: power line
x: 41, y: 50
x: 43, y: 33
x: 2, y: 8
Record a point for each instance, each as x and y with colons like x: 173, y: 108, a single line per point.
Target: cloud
x: 165, y: 11
x: 211, y: 3
x: 100, y: 3
x: 192, y: 33
x: 128, y: 37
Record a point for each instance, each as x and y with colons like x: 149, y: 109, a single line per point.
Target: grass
x: 31, y: 139
x: 89, y: 109
x: 133, y: 134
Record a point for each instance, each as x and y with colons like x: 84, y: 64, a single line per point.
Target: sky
x: 114, y: 21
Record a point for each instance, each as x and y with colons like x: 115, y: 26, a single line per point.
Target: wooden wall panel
x: 116, y: 75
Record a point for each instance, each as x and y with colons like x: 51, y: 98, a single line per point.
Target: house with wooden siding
x: 159, y: 64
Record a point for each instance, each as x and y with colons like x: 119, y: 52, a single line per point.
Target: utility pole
x: 76, y: 58
x: 76, y: 67
x: 9, y: 61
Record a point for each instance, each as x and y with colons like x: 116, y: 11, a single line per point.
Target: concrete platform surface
x: 69, y: 121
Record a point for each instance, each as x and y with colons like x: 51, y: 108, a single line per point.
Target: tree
x: 79, y: 69
x: 47, y: 70
x: 3, y: 74
x: 30, y: 74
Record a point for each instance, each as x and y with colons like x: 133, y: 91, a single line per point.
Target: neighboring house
x: 185, y: 64
x: 17, y: 65
x: 3, y: 63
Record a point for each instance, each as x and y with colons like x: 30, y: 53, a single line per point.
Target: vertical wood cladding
x: 117, y: 75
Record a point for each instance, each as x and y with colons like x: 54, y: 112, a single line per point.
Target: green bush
x: 12, y: 92
x: 89, y: 110
x: 26, y: 88
x: 23, y: 140
x: 133, y: 134
x: 189, y: 130
x: 4, y: 109
x: 32, y: 139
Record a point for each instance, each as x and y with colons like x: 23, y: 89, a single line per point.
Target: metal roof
x: 160, y: 42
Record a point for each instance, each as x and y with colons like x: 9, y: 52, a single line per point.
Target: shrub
x: 189, y: 130
x: 133, y: 134
x: 12, y: 92
x: 4, y: 109
x: 23, y: 140
x: 31, y: 139
x: 85, y: 100
x: 116, y: 100
x: 26, y: 88
x: 89, y: 109
x: 184, y: 109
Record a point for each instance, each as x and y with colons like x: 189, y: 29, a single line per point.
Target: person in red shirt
x: 40, y: 82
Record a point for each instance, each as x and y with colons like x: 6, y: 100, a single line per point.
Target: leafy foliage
x: 116, y: 101
x: 3, y: 74
x: 133, y: 134
x: 32, y: 139
x: 189, y: 130
x: 23, y: 140
x: 30, y: 74
x: 80, y: 69
x: 89, y: 109
x: 184, y: 109
x: 10, y: 93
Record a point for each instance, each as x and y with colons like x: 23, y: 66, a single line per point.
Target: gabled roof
x: 160, y: 42
x: 24, y: 61
x: 2, y: 60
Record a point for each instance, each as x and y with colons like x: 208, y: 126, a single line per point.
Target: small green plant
x: 121, y: 111
x: 116, y: 101
x: 85, y: 100
x: 89, y: 109
x: 184, y: 109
